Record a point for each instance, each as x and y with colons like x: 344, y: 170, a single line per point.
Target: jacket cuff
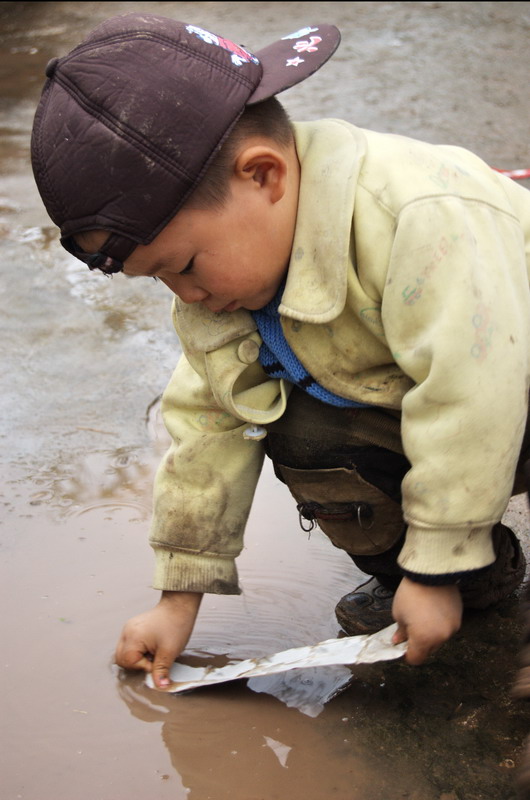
x: 450, y: 579
x: 446, y: 551
x: 185, y: 572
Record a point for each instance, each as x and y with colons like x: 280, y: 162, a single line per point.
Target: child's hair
x: 268, y: 119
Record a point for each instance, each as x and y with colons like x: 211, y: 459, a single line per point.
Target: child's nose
x: 187, y: 292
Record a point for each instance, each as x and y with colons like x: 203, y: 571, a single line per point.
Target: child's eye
x: 187, y: 268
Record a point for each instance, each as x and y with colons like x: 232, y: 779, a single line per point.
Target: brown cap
x: 131, y: 118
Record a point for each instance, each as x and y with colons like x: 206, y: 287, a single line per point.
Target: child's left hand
x: 427, y: 616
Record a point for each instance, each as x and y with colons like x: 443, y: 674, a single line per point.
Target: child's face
x: 227, y: 258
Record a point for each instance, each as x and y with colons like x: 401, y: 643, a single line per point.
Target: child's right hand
x: 153, y: 640
x: 427, y: 616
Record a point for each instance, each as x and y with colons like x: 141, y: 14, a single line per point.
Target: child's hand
x: 153, y: 640
x: 427, y: 616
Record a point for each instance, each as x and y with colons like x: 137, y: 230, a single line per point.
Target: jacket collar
x: 330, y: 153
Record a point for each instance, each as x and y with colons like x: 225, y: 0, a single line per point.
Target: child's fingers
x: 132, y: 658
x: 417, y: 653
x: 161, y: 665
x: 400, y: 635
x: 144, y: 663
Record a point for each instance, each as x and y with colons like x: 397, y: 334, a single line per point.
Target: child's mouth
x: 233, y: 306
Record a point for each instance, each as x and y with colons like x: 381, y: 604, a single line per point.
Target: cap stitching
x: 134, y: 138
x: 123, y: 129
x: 124, y: 228
x: 115, y: 38
x: 39, y: 123
x: 124, y: 225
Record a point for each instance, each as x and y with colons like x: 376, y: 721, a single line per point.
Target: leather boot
x: 365, y: 610
x: 505, y: 575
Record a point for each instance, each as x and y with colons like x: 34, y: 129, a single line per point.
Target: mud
x: 84, y: 360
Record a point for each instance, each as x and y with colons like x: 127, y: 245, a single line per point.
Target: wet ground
x: 84, y: 360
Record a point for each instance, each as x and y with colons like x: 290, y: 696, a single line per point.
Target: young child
x: 353, y: 304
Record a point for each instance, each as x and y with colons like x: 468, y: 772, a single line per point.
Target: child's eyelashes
x: 154, y: 277
x: 187, y: 268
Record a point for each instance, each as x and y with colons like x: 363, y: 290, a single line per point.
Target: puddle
x: 84, y: 360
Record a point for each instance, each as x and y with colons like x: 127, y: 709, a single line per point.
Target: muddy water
x: 84, y: 360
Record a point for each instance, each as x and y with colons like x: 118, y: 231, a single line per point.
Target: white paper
x: 365, y: 649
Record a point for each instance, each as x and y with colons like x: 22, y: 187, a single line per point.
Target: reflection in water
x: 308, y: 690
x: 99, y: 478
x: 228, y: 744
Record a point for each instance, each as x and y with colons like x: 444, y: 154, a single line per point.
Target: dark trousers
x: 339, y: 462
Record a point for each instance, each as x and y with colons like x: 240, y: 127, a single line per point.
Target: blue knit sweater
x: 279, y: 361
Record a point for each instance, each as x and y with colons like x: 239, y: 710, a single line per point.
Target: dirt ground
x: 84, y: 360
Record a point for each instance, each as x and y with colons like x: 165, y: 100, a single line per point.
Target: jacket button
x: 248, y: 351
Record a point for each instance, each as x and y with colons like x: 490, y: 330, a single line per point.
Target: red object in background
x: 516, y: 174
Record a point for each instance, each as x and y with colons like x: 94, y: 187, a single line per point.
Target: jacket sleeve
x: 456, y: 316
x: 203, y: 488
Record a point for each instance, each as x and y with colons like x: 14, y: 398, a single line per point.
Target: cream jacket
x: 408, y: 288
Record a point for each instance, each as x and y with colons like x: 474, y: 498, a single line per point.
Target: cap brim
x: 294, y: 58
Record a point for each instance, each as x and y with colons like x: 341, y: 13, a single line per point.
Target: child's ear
x: 265, y: 167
